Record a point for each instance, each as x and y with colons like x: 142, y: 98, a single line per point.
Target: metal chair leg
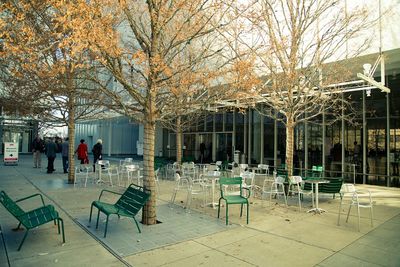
x: 105, y: 230
x: 23, y: 240
x: 226, y: 219
x: 247, y: 213
x: 98, y: 215
x: 90, y: 216
x: 62, y: 228
x: 137, y: 225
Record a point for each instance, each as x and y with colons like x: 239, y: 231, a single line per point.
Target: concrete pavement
x: 275, y: 236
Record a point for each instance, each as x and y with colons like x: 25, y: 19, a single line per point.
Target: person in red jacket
x: 82, y: 152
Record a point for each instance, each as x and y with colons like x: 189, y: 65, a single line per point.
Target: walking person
x: 97, y: 152
x: 37, y: 149
x: 64, y: 154
x: 82, y: 152
x: 51, y: 153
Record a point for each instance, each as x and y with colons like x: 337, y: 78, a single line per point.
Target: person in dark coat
x: 37, y: 150
x: 51, y: 151
x: 64, y: 154
x: 97, y: 152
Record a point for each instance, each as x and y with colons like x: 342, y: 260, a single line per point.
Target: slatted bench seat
x: 333, y: 187
x: 33, y: 218
x: 128, y: 205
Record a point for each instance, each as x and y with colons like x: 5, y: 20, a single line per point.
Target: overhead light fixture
x: 368, y: 91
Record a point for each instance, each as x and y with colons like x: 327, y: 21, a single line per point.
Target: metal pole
x: 343, y: 125
x: 262, y: 139
x: 275, y: 143
x: 109, y: 138
x: 364, y: 133
x: 250, y: 137
x: 234, y: 132
x: 245, y: 136
x: 387, y: 138
x: 323, y: 143
x: 306, y: 147
x: 214, y: 146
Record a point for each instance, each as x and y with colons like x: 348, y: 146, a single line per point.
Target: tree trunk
x: 71, y: 142
x: 71, y: 152
x: 289, y: 145
x: 149, y: 211
x: 178, y: 140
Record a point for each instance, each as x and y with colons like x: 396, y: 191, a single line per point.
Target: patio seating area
x: 198, y: 237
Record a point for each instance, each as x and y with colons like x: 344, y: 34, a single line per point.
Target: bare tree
x: 153, y: 38
x: 295, y: 41
x: 45, y: 64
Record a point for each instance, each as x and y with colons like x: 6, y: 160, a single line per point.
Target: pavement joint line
x: 354, y: 241
x: 4, y: 245
x: 233, y: 256
x: 288, y: 238
x: 78, y: 224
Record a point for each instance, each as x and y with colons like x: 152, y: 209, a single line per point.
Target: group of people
x: 52, y: 147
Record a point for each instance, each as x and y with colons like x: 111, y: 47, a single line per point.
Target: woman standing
x: 82, y: 152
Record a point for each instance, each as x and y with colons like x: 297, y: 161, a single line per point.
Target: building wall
x: 119, y: 136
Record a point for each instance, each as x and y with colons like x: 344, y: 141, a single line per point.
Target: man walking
x: 51, y: 150
x: 37, y: 149
x: 64, y: 154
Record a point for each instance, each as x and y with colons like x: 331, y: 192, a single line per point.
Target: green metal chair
x: 33, y: 218
x: 233, y: 199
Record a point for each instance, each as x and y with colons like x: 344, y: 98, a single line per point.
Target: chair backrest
x: 263, y: 166
x: 106, y: 163
x: 133, y: 199
x: 80, y: 171
x: 279, y: 179
x: 213, y: 173
x: 243, y: 166
x: 11, y: 205
x: 234, y: 181
x: 248, y: 178
x: 314, y: 168
x: 125, y: 161
x: 295, y: 180
x: 347, y: 188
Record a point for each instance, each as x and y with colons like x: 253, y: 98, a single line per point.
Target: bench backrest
x: 133, y: 199
x: 334, y: 186
x: 10, y: 205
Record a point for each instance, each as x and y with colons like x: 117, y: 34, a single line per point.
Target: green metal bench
x: 128, y: 205
x: 33, y: 218
x: 233, y: 199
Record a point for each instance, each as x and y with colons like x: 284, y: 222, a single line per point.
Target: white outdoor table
x: 316, y: 209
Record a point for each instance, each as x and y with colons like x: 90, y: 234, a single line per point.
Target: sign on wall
x: 10, y: 153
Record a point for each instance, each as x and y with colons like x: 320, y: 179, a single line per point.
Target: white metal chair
x: 359, y: 198
x: 243, y: 168
x: 81, y: 174
x: 264, y: 167
x: 125, y: 161
x: 295, y: 187
x: 180, y: 184
x: 134, y: 175
x: 248, y: 182
x: 194, y: 188
x: 104, y: 167
x: 156, y: 173
x: 277, y: 188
